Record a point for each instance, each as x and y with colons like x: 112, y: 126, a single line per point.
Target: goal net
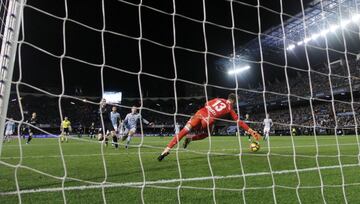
x: 296, y: 63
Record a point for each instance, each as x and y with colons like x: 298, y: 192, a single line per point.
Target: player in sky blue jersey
x: 115, y: 118
x: 130, y: 123
x: 9, y: 129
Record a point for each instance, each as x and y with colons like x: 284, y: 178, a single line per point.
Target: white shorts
x: 266, y: 130
x: 9, y: 132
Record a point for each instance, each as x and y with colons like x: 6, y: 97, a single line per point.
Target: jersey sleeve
x: 241, y: 123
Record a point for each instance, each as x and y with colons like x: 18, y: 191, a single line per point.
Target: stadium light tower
x: 331, y: 29
x: 237, y: 70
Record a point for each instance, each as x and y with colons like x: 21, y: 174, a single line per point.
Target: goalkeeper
x: 205, y: 118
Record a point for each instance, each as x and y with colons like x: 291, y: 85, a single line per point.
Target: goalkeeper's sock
x: 178, y: 137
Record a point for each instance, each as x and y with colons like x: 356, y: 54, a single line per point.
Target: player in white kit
x: 177, y: 128
x: 267, y: 125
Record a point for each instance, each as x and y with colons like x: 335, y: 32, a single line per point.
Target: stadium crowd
x: 323, y: 112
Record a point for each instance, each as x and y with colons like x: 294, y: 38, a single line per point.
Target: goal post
x: 10, y: 34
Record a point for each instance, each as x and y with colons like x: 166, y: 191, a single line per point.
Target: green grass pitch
x: 237, y: 178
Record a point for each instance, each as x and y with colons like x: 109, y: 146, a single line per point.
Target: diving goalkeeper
x: 205, y: 118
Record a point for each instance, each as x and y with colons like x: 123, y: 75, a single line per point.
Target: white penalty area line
x: 141, y: 184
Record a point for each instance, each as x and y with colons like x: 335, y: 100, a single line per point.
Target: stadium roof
x: 318, y: 15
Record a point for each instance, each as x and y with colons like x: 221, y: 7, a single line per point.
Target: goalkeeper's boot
x: 186, y: 142
x: 162, y: 156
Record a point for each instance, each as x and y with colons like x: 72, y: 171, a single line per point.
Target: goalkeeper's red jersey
x: 218, y: 108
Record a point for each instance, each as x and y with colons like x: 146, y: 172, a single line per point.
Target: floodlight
x: 306, y: 40
x: 355, y: 18
x: 324, y: 32
x: 315, y: 36
x: 290, y: 47
x: 238, y: 70
x: 344, y: 23
x: 333, y: 28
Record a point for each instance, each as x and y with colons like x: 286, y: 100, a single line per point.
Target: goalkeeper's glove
x: 254, y: 134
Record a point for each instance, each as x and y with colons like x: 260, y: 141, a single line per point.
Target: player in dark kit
x: 92, y: 130
x: 23, y: 131
x: 79, y: 130
x: 30, y: 129
x: 108, y: 129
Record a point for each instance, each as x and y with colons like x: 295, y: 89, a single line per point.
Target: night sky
x: 120, y: 53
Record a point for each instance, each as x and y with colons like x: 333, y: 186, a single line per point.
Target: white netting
x: 169, y: 58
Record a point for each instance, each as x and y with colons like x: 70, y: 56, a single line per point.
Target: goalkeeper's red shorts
x: 201, y: 120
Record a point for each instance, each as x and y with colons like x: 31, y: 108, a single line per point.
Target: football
x: 254, y: 147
